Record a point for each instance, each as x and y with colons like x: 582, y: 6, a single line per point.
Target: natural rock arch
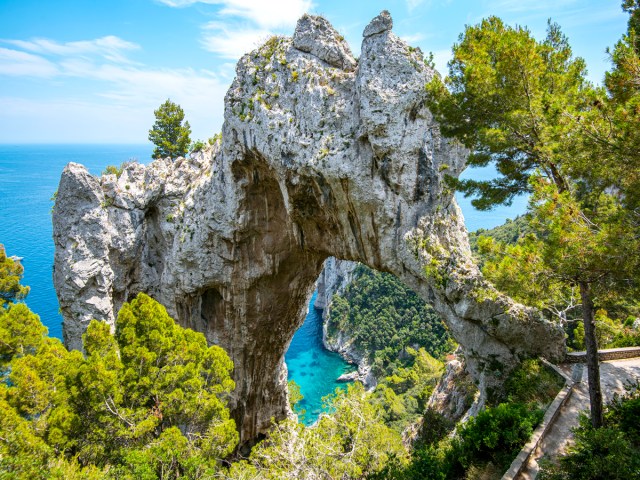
x: 321, y: 155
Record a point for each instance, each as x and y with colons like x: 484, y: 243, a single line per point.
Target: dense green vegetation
x: 146, y: 402
x: 351, y: 442
x: 508, y: 233
x: 403, y: 394
x: 149, y: 400
x: 510, y: 257
x: 484, y: 446
x: 10, y: 274
x: 383, y: 318
x: 399, y: 334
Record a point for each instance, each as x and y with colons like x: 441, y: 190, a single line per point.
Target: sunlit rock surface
x: 321, y: 155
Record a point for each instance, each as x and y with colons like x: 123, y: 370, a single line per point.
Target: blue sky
x: 93, y: 71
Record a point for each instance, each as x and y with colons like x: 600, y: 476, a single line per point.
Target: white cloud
x: 243, y: 24
x: 412, y: 4
x: 16, y: 63
x: 268, y: 14
x: 232, y: 42
x: 109, y: 47
x: 265, y: 14
x: 123, y: 88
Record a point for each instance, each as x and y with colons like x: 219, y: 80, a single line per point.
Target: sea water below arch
x: 311, y: 366
x: 29, y: 176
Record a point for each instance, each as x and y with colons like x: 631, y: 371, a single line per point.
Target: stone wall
x: 605, y: 354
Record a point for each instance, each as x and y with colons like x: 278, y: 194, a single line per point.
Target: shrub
x: 496, y: 434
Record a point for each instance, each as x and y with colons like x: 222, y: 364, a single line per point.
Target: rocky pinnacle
x: 321, y: 155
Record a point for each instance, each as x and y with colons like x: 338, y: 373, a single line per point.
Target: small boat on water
x: 16, y: 258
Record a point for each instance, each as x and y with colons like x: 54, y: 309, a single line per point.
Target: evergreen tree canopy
x: 148, y: 402
x: 10, y: 275
x: 526, y: 107
x: 610, y: 129
x: 169, y: 134
x: 507, y: 98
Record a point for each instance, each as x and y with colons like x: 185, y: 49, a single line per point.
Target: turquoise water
x: 29, y: 176
x: 311, y: 366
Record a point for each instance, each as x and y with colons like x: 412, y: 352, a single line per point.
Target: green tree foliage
x: 147, y: 402
x: 506, y: 99
x: 10, y: 275
x: 169, y: 134
x: 350, y: 442
x: 511, y: 257
x: 403, y: 394
x: 532, y: 384
x: 486, y: 443
x: 295, y: 397
x: 384, y: 318
x: 495, y: 434
x: 508, y: 233
x: 21, y: 332
x: 400, y: 334
x: 151, y: 376
x: 610, y: 127
x: 517, y: 103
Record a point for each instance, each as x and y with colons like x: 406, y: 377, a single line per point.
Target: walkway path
x: 613, y: 376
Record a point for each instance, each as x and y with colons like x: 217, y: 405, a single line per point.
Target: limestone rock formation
x: 455, y: 392
x: 320, y: 156
x: 334, y: 278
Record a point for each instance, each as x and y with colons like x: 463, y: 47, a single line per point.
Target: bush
x: 496, y: 434
x: 533, y: 383
x: 196, y: 146
x: 113, y: 170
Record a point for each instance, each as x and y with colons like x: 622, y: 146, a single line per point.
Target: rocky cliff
x: 334, y: 278
x: 321, y: 155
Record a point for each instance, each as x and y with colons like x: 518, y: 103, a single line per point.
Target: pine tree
x: 169, y: 134
x: 10, y: 275
x: 517, y: 103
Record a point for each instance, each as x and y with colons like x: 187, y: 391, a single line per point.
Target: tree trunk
x: 591, y: 345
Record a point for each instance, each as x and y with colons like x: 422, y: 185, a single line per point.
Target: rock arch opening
x: 321, y: 155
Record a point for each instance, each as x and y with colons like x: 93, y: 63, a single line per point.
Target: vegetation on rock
x: 399, y: 334
x: 485, y: 445
x: 383, y: 317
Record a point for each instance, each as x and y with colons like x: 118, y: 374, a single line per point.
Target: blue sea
x: 29, y: 176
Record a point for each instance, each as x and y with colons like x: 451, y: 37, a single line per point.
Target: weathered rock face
x: 334, y: 278
x: 320, y: 156
x: 455, y: 392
